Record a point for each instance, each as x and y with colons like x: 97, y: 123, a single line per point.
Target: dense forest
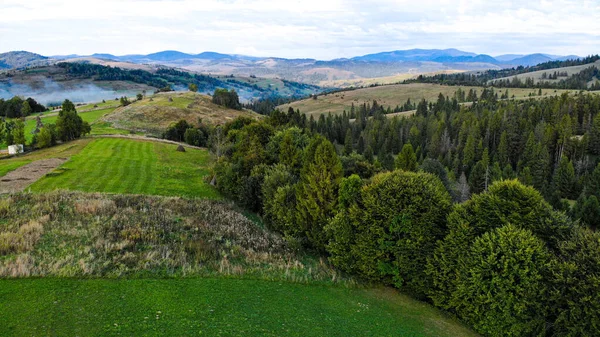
x: 470, y: 208
x: 575, y: 81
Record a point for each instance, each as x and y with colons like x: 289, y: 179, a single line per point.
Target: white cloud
x: 310, y: 28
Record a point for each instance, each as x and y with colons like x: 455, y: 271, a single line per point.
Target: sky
x: 321, y: 29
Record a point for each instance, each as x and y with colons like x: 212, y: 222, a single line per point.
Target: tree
x: 317, y: 191
x: 501, y: 288
x: 348, y: 142
x: 69, y: 124
x: 26, y: 109
x: 407, y: 159
x: 505, y: 202
x: 44, y: 138
x: 564, y: 178
x: 193, y: 87
x: 124, y: 101
x: 594, y: 133
x: 18, y: 132
x: 139, y: 97
x: 394, y: 229
x: 227, y: 98
x: 576, y: 279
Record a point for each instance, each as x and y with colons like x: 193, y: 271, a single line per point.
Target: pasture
x: 393, y: 95
x: 153, y: 115
x: 115, y: 165
x: 212, y: 307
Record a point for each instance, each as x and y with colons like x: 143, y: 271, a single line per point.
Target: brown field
x: 365, y: 82
x: 393, y: 95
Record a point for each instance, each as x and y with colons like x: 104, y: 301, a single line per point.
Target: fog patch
x: 49, y: 92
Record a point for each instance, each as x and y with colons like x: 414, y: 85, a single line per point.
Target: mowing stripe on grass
x: 117, y: 165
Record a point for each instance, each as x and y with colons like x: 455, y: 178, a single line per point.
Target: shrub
x: 501, y: 288
x: 506, y: 202
x: 395, y: 224
x: 576, y: 285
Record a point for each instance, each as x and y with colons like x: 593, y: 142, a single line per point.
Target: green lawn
x: 211, y: 307
x: 134, y: 167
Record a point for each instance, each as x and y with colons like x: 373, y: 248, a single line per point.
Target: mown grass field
x: 134, y: 167
x: 211, y: 307
x: 60, y: 151
x: 393, y: 95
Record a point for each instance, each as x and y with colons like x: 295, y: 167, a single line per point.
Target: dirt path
x: 19, y: 179
x: 138, y: 137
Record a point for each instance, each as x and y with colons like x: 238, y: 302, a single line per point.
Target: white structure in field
x: 15, y: 149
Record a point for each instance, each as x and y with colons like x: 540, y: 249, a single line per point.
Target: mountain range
x: 337, y: 72
x: 411, y: 55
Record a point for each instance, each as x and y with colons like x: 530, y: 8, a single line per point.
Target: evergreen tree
x: 348, y: 142
x: 407, y: 159
x: 564, y: 179
x: 317, y: 191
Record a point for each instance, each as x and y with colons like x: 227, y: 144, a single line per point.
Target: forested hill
x: 509, y: 77
x: 166, y: 79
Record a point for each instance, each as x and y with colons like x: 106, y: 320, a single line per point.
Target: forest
x: 576, y: 81
x: 485, y: 208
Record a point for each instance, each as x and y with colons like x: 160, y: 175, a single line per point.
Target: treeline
x: 490, y: 76
x: 69, y: 126
x: 17, y: 107
x: 430, y: 203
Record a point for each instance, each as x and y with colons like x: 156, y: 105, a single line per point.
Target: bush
x: 506, y: 202
x: 576, y: 285
x: 501, y: 289
x: 394, y: 226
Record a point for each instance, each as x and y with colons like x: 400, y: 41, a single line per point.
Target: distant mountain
x: 209, y: 55
x: 530, y: 60
x: 169, y: 55
x: 412, y: 55
x: 508, y: 57
x: 471, y: 59
x: 21, y: 59
x: 106, y: 56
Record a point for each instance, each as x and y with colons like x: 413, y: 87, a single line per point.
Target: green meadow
x: 211, y: 307
x: 114, y: 165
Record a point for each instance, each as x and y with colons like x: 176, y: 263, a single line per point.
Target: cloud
x: 309, y: 28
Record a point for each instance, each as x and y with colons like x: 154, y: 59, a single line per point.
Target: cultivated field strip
x: 115, y: 165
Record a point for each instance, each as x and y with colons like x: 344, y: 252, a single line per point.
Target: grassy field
x: 130, y: 166
x: 211, y: 307
x: 154, y: 114
x: 60, y: 151
x: 391, y: 96
x: 74, y: 263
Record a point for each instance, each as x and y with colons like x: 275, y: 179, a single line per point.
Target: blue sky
x: 309, y: 28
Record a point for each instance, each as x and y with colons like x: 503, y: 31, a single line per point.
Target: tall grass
x: 71, y: 234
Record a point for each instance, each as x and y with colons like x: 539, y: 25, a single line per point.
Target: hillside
x: 90, y: 79
x: 565, y: 72
x: 154, y: 114
x: 392, y: 96
x: 21, y: 59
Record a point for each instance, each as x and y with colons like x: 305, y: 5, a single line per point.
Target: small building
x: 15, y: 149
